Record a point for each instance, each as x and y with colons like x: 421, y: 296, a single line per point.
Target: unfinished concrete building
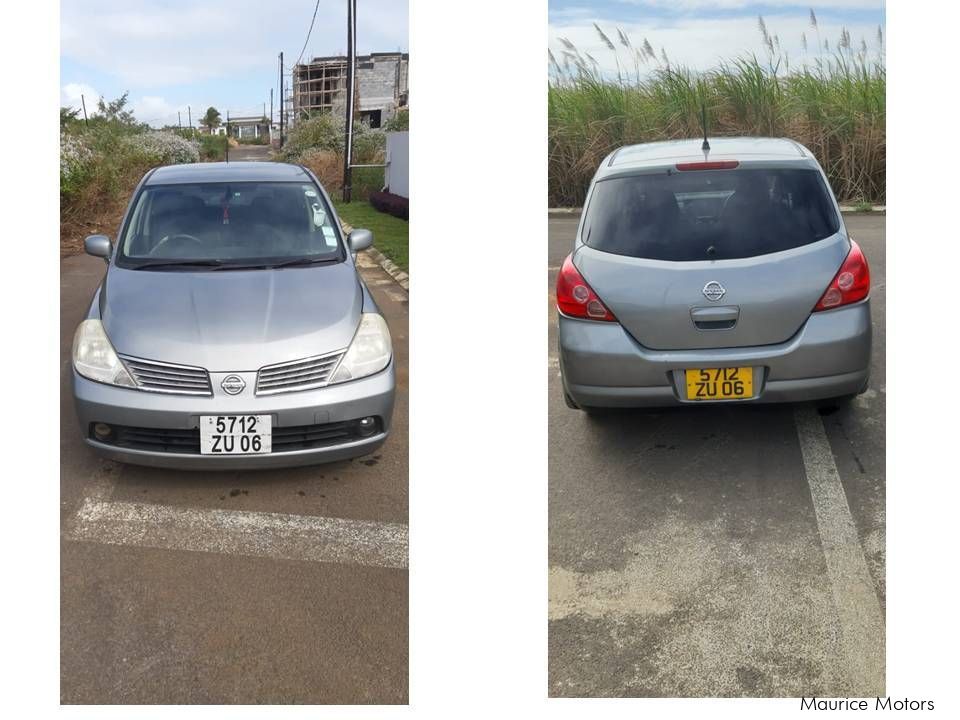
x: 381, y: 86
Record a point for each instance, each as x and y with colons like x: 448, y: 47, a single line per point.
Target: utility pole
x: 83, y: 102
x: 190, y: 120
x: 351, y: 75
x: 271, y: 114
x: 179, y: 123
x: 282, y: 99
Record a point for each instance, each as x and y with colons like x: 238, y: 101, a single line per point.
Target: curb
x: 564, y: 212
x: 389, y: 266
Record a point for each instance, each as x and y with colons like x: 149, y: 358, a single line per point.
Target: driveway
x: 283, y: 586
x: 250, y: 152
x: 719, y: 551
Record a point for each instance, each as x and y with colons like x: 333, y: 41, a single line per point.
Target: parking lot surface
x: 281, y: 586
x: 723, y: 550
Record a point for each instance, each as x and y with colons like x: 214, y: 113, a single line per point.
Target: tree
x: 68, y: 116
x: 115, y: 111
x: 211, y: 119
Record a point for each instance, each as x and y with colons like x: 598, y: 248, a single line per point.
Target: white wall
x: 398, y: 163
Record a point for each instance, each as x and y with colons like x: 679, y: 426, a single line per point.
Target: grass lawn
x: 390, y: 234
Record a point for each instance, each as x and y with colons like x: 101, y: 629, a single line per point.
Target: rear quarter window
x: 709, y: 214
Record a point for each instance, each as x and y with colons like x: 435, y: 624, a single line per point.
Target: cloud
x: 156, y: 111
x: 149, y: 44
x: 70, y: 96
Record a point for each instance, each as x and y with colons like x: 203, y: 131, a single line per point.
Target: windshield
x: 709, y: 214
x: 230, y: 225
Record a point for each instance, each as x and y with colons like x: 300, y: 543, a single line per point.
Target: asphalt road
x: 165, y: 600
x: 719, y: 551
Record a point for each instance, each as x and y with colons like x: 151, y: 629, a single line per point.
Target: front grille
x: 166, y: 377
x: 297, y: 375
x: 285, y: 439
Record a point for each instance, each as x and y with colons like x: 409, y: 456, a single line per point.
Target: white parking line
x: 234, y: 532
x: 858, y: 609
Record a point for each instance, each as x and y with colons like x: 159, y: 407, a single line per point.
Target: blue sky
x: 699, y: 33
x: 181, y: 53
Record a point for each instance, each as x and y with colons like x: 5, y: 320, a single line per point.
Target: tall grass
x: 833, y: 103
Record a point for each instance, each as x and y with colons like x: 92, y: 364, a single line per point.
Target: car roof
x: 668, y: 152
x: 227, y: 172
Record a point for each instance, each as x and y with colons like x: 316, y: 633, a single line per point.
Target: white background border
x: 478, y: 434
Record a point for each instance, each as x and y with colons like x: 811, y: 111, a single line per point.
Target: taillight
x: 577, y: 299
x: 851, y: 283
x: 709, y: 165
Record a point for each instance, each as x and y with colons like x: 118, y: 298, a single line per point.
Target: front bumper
x: 603, y: 366
x: 368, y: 397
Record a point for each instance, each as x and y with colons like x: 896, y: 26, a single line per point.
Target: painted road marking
x: 236, y: 532
x: 858, y: 609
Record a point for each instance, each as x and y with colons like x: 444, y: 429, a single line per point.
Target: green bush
x: 399, y: 122
x: 212, y: 147
x: 318, y: 142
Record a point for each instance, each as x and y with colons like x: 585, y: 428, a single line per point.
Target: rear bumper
x: 368, y: 397
x: 603, y: 366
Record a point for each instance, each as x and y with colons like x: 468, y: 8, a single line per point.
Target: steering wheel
x: 171, y: 238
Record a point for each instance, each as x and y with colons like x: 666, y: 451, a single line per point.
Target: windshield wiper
x: 302, y: 261
x: 178, y: 263
x: 221, y: 265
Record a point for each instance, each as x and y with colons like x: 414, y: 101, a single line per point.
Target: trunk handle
x: 723, y: 313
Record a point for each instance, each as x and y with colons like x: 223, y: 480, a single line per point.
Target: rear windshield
x: 232, y: 223
x: 709, y: 214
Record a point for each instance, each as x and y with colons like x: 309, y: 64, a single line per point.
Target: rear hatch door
x: 711, y: 259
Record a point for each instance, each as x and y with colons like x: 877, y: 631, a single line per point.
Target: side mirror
x: 360, y: 239
x: 98, y: 246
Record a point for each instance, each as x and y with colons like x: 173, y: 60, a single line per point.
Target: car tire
x: 832, y: 405
x: 596, y: 412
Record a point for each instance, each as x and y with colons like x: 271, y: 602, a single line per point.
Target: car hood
x: 231, y: 320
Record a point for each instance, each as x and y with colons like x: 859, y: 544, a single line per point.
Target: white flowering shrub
x: 325, y: 132
x: 75, y: 159
x: 165, y: 148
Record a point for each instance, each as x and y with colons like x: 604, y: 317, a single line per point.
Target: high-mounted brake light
x: 851, y: 283
x: 711, y: 165
x: 577, y: 299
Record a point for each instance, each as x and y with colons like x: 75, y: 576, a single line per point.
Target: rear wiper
x: 178, y: 263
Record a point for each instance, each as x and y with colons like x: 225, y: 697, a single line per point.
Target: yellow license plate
x: 734, y: 383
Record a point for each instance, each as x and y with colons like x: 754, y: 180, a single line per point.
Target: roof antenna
x: 703, y: 121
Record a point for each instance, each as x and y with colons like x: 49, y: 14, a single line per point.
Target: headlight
x: 95, y: 358
x: 369, y: 352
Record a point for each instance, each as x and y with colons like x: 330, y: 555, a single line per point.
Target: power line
x: 315, y: 8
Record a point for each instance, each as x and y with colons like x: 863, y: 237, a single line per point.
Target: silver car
x: 232, y: 329
x: 719, y: 275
